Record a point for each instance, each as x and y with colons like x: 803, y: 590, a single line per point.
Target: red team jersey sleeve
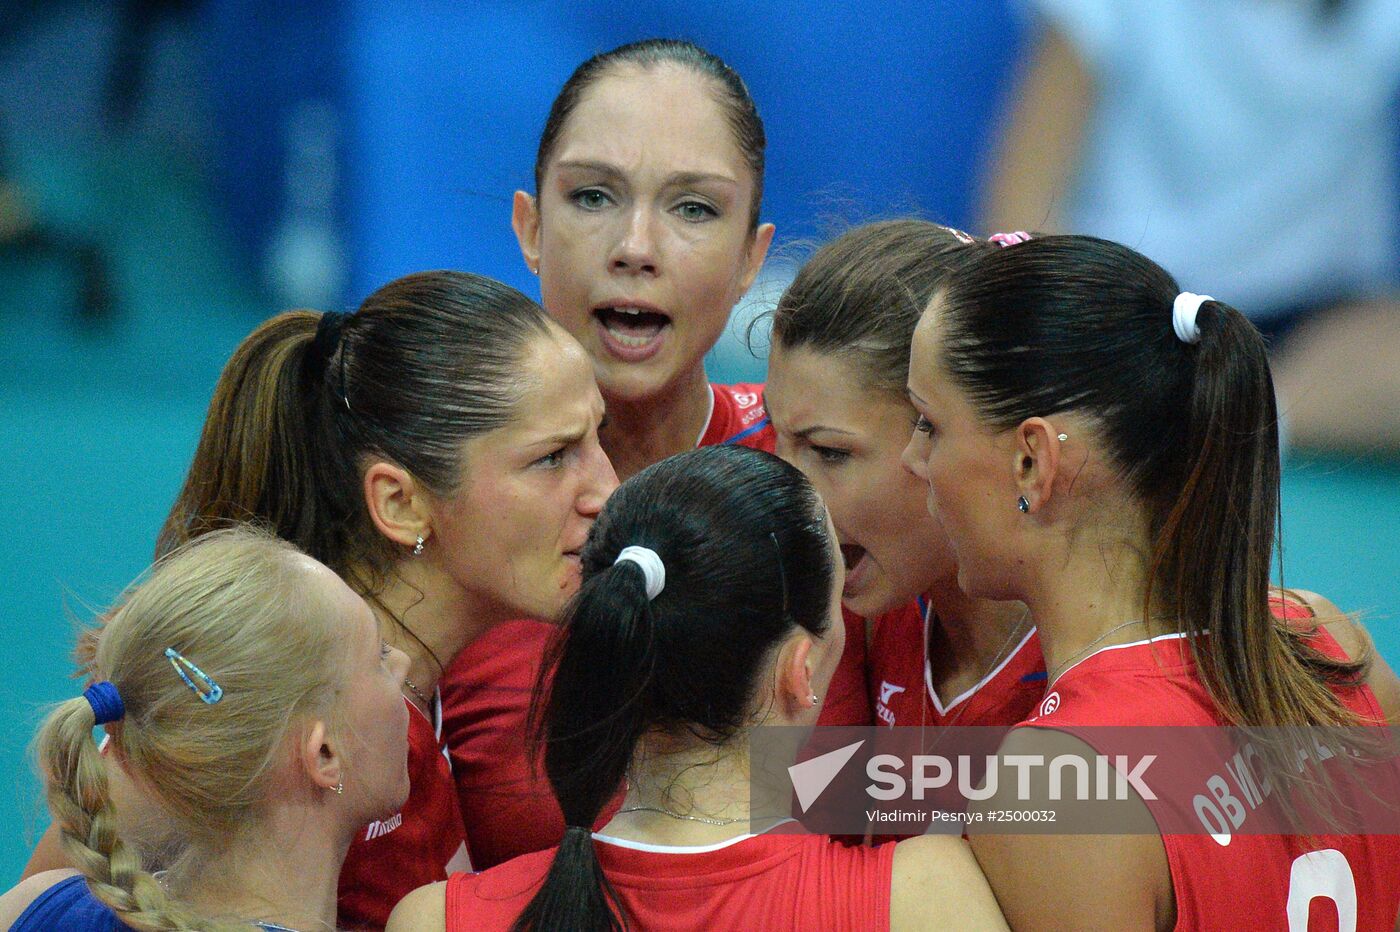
x: 770, y: 882
x: 1233, y: 878
x: 901, y: 684
x: 422, y: 843
x: 509, y: 808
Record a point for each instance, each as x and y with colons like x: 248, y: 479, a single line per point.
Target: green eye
x: 591, y: 199
x: 695, y: 211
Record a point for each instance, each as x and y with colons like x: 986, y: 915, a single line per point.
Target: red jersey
x: 738, y: 416
x: 770, y: 881
x: 508, y: 806
x: 901, y: 683
x: 1253, y: 881
x: 422, y: 843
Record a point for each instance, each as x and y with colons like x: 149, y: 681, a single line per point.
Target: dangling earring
x: 816, y: 700
x: 1022, y: 504
x: 340, y: 789
x: 418, y: 547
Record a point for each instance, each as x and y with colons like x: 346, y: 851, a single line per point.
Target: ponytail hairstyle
x: 1075, y: 323
x: 428, y: 362
x: 748, y: 561
x: 728, y: 88
x: 861, y: 295
x: 235, y: 604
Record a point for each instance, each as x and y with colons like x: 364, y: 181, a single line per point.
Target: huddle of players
x: 979, y: 428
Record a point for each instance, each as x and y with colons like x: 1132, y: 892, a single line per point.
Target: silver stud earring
x: 816, y: 700
x: 340, y: 789
x: 418, y: 547
x: 1064, y: 437
x: 1022, y: 504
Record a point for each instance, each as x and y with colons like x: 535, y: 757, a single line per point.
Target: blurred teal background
x: 209, y: 224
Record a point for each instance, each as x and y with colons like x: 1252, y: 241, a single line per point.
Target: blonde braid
x: 78, y: 795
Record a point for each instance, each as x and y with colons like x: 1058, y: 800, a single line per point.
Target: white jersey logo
x: 882, y: 708
x: 1049, y: 704
x: 887, y: 691
x: 378, y: 828
x: 745, y: 399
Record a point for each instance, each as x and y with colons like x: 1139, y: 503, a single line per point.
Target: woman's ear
x: 525, y: 220
x: 320, y: 758
x: 794, y: 674
x: 1037, y: 462
x: 397, y: 506
x: 758, y: 251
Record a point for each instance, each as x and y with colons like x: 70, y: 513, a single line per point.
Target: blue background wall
x: 434, y: 110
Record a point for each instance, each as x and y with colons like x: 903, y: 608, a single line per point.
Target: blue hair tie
x: 212, y: 691
x: 106, y: 702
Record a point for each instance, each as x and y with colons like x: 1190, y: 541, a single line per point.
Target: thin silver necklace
x: 1084, y: 651
x: 688, y: 818
x: 427, y: 703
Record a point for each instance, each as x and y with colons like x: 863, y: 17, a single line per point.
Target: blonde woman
x: 247, y: 692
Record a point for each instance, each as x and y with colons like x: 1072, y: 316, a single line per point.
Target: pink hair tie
x: 1009, y: 239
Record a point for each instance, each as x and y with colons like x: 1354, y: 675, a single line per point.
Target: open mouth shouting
x: 857, y: 567
x: 632, y: 332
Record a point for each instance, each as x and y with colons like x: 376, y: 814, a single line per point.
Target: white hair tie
x: 652, y: 568
x: 1184, y: 311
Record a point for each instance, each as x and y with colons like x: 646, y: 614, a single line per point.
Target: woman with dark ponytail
x: 710, y: 606
x: 438, y: 449
x: 246, y: 690
x: 1103, y: 446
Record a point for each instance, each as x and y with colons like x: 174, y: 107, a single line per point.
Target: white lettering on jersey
x: 380, y: 828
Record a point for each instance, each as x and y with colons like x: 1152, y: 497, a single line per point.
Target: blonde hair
x: 235, y: 603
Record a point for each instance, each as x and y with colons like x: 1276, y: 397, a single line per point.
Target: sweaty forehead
x: 664, y: 118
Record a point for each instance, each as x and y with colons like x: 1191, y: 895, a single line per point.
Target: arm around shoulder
x: 423, y: 910
x: 937, y: 884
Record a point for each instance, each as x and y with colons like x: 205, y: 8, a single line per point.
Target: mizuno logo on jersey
x: 887, y: 691
x: 378, y: 829
x: 882, y: 708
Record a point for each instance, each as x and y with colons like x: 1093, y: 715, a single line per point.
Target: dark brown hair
x: 748, y: 559
x: 428, y: 362
x: 1074, y: 323
x: 730, y: 92
x: 861, y: 295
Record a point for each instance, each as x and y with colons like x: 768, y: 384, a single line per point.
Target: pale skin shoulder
x: 15, y: 901
x: 1073, y: 881
x: 937, y: 884
x: 1356, y: 641
x: 423, y: 910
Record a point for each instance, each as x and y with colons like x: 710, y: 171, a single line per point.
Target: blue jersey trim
x: 747, y: 433
x: 1035, y: 676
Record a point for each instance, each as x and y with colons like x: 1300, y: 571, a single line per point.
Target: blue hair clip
x: 212, y: 691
